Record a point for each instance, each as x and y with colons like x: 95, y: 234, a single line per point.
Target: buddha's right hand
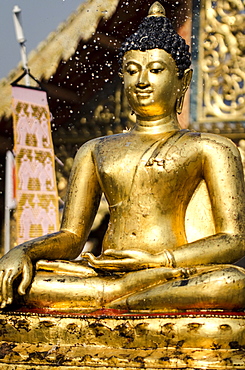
x: 128, y: 260
x: 14, y: 263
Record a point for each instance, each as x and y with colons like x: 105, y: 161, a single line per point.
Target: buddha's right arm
x: 83, y: 197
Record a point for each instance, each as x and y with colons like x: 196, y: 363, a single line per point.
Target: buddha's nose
x: 143, y: 80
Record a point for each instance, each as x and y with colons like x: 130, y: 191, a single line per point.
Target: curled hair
x: 158, y: 33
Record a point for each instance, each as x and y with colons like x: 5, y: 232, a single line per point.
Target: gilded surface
x: 222, y: 61
x: 162, y: 342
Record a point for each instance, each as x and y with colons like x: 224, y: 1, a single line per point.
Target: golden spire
x: 156, y: 10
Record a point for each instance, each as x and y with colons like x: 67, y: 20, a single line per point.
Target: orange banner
x: 36, y: 191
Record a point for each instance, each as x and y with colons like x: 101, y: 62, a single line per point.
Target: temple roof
x: 59, y: 46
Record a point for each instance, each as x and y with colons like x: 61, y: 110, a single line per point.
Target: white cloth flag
x: 36, y: 190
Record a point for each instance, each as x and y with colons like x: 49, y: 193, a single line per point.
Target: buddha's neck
x: 156, y: 125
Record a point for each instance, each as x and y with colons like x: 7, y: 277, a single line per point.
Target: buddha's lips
x: 143, y: 93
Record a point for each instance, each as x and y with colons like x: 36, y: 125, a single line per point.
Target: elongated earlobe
x: 186, y: 83
x: 179, y: 104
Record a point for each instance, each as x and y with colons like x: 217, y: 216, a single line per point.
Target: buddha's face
x: 151, y: 82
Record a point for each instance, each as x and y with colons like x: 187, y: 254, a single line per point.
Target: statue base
x: 117, y: 340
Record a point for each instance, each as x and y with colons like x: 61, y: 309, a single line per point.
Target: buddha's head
x: 155, y: 63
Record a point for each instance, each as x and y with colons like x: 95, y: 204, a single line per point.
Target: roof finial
x: 156, y: 10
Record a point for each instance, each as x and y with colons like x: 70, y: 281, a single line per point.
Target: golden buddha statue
x: 148, y: 176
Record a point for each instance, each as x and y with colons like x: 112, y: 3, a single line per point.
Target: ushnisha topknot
x: 156, y: 10
x: 156, y: 32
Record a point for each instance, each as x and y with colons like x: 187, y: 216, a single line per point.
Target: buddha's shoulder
x: 207, y: 141
x: 106, y: 142
x: 102, y: 141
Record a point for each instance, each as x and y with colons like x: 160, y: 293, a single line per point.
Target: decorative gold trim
x: 173, y: 341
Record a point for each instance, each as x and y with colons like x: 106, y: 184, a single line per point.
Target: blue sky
x: 39, y: 18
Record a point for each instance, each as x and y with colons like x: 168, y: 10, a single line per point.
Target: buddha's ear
x: 186, y: 80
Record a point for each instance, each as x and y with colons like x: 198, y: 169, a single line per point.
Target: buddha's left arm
x: 223, y: 173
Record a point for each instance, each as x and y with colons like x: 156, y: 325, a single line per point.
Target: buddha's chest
x: 143, y: 170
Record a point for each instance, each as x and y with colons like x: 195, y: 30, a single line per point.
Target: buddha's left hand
x: 127, y: 260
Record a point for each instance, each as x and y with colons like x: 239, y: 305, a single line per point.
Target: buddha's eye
x: 156, y: 70
x: 131, y: 71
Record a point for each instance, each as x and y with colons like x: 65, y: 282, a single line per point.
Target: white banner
x: 36, y: 190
